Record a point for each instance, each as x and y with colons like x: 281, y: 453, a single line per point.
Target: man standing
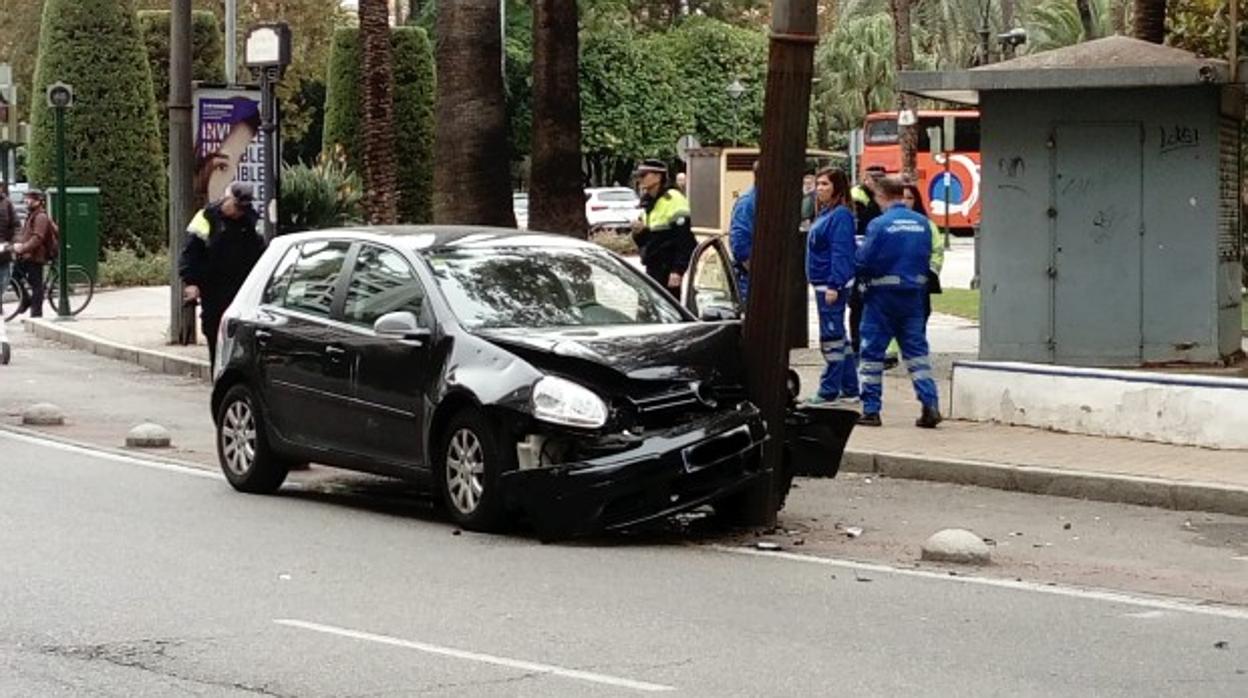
x: 8, y: 233
x: 221, y: 247
x: 893, y: 261
x: 741, y: 236
x: 664, y: 233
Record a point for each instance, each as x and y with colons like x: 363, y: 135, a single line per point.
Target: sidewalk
x: 131, y: 325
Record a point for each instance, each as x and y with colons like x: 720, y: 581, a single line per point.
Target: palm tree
x: 471, y: 170
x: 903, y: 55
x: 1086, y: 20
x: 1058, y: 23
x: 855, y: 68
x: 1150, y: 20
x: 381, y: 198
x: 556, y: 200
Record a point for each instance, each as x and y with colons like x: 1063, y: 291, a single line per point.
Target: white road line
x: 110, y: 456
x: 533, y: 667
x: 1180, y: 605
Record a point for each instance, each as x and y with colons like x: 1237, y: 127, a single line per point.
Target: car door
x: 710, y: 290
x: 305, y: 366
x: 391, y: 374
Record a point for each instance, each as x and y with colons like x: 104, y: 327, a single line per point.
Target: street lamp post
x: 268, y: 54
x: 736, y: 91
x: 60, y: 98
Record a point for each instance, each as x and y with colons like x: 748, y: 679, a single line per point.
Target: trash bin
x: 816, y: 437
x: 81, y: 231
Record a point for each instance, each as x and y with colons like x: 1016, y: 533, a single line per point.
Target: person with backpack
x: 37, y: 244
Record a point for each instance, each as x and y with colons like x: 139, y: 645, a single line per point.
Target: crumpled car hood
x: 686, y: 351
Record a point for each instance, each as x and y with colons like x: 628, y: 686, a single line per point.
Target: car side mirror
x: 719, y: 313
x: 400, y: 325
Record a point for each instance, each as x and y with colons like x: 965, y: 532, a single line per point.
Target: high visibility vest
x: 671, y: 210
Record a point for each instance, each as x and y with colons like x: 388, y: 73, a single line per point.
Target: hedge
x: 112, y: 136
x: 207, y: 56
x: 413, y: 113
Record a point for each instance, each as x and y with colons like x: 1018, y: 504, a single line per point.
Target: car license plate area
x: 717, y: 449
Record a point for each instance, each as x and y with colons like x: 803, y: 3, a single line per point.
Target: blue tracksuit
x: 830, y: 249
x: 741, y: 238
x: 893, y: 261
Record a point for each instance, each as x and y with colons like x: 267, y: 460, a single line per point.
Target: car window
x: 314, y: 276
x: 275, y: 291
x: 381, y: 282
x: 531, y: 287
x: 619, y: 195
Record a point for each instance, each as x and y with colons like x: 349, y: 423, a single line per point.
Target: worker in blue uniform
x: 830, y: 263
x: 741, y: 237
x: 893, y: 263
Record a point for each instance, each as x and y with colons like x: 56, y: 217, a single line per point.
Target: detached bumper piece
x: 671, y: 471
x: 815, y: 438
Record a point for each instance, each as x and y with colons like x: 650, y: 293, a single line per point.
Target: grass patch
x: 961, y: 302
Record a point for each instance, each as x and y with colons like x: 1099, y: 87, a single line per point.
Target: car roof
x: 436, y: 237
x: 600, y: 190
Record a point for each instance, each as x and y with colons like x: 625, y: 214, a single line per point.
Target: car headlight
x: 561, y: 401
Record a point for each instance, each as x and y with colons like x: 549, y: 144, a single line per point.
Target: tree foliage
x: 413, y: 110
x: 207, y: 51
x: 1200, y: 26
x: 112, y: 136
x: 1053, y: 24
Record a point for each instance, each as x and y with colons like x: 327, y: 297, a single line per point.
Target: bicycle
x: 80, y: 287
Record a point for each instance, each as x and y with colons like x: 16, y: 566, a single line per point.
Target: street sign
x: 684, y: 145
x: 6, y: 74
x: 856, y: 141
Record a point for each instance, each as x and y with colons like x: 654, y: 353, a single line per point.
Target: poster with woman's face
x: 228, y: 146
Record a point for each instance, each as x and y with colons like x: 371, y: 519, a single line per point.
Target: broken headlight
x: 560, y: 401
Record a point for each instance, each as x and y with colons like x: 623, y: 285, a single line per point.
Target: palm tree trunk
x: 381, y: 197
x: 471, y: 177
x: 1150, y: 20
x: 1118, y: 15
x: 903, y: 54
x: 1085, y: 18
x: 557, y: 199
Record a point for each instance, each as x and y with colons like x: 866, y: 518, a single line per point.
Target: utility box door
x: 1097, y: 313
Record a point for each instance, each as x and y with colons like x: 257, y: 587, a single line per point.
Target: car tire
x: 471, y: 461
x: 243, y: 447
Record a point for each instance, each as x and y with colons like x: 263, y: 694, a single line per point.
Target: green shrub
x: 413, y: 113
x: 126, y: 267
x: 324, y: 195
x: 207, y: 56
x: 112, y: 137
x: 619, y: 243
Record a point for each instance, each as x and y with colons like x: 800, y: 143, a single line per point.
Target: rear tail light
x: 598, y: 208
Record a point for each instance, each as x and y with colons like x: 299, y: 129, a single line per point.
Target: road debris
x: 767, y: 546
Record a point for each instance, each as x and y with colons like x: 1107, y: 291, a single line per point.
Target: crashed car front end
x: 656, y: 456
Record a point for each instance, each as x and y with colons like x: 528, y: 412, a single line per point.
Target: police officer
x: 221, y: 247
x: 664, y: 233
x: 893, y: 261
x: 830, y: 250
x: 741, y: 236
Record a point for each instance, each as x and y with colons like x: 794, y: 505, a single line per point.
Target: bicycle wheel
x: 14, y: 298
x: 80, y: 285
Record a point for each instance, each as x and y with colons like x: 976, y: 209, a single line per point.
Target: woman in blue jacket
x: 830, y: 256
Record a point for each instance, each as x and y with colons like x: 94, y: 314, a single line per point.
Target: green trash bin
x: 82, y: 231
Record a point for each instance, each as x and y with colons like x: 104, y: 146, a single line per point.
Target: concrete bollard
x: 148, y: 435
x: 43, y: 415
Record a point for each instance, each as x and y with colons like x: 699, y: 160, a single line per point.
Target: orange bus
x: 881, y: 149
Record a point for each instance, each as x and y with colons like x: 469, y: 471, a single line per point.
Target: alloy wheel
x: 465, y: 471
x: 238, y: 438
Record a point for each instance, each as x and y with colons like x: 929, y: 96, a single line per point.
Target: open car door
x: 710, y: 290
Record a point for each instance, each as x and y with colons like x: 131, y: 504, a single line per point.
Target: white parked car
x: 611, y: 207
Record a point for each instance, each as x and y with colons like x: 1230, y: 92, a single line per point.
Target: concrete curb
x: 150, y: 359
x: 1057, y: 482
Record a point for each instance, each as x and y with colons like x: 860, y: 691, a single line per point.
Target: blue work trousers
x: 840, y: 375
x: 889, y: 314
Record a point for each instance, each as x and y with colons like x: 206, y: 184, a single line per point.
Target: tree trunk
x: 381, y: 196
x: 1085, y: 18
x: 903, y: 53
x: 471, y: 180
x: 557, y: 198
x: 1150, y: 20
x: 1118, y: 15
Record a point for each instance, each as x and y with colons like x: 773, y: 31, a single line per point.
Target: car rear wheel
x: 243, y: 446
x: 471, y: 462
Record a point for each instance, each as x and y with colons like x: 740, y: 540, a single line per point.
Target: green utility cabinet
x: 82, y: 231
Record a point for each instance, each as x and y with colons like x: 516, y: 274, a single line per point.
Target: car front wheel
x: 243, y: 446
x: 471, y: 462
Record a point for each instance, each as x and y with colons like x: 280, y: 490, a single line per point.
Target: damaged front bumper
x: 665, y: 472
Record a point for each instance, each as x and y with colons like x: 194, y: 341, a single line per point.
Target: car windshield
x: 518, y: 287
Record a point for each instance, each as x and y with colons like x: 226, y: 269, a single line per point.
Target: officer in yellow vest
x: 664, y: 233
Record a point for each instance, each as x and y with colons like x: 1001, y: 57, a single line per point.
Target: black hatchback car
x: 513, y: 372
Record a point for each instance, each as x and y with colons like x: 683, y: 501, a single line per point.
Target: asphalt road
x: 124, y: 578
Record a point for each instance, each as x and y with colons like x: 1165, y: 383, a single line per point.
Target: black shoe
x: 929, y: 419
x: 890, y: 362
x: 6, y: 353
x: 870, y: 420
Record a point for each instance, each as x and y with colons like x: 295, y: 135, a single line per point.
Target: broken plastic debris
x: 867, y: 480
x: 284, y: 577
x: 859, y: 578
x: 1016, y: 533
x: 767, y: 545
x: 799, y: 541
x: 1067, y: 526
x: 853, y: 531
x: 1222, y: 645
